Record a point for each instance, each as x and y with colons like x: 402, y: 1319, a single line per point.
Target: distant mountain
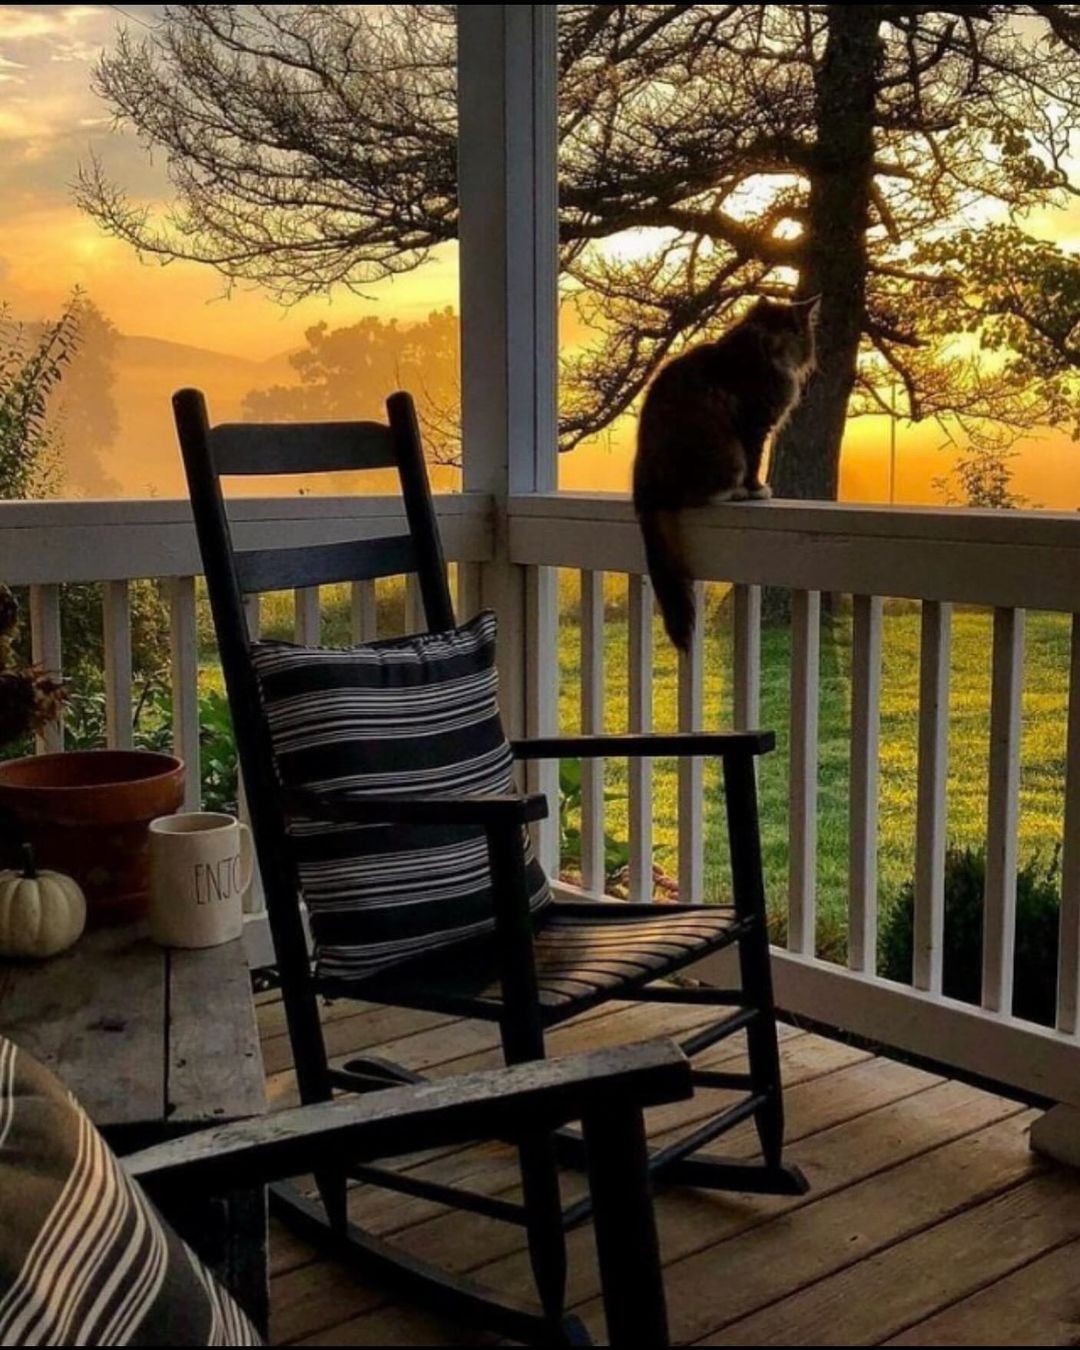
x: 148, y: 370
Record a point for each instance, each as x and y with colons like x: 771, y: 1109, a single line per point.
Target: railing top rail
x: 51, y: 542
x: 177, y: 510
x: 1001, y: 559
x: 961, y: 525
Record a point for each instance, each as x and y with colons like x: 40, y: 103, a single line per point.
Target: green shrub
x: 85, y: 729
x: 616, y: 852
x: 1037, y: 909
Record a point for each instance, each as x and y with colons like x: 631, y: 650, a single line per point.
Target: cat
x: 702, y: 432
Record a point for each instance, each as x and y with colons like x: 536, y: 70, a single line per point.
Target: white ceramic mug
x: 200, y: 866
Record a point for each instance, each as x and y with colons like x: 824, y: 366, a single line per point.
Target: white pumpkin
x: 41, y: 913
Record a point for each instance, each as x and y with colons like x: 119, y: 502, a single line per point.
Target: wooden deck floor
x: 929, y: 1221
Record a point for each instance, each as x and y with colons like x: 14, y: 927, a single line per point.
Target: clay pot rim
x: 167, y: 766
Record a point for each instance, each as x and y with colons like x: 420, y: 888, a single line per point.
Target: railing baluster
x: 691, y: 771
x: 116, y: 613
x: 307, y: 627
x: 363, y: 612
x: 931, y: 819
x: 639, y: 662
x: 45, y: 647
x: 865, y: 727
x: 746, y: 657
x: 1068, y: 992
x: 255, y: 900
x: 185, y: 687
x: 999, y: 909
x: 542, y: 702
x: 593, y: 874
x: 802, y: 806
x: 469, y: 597
x: 415, y: 622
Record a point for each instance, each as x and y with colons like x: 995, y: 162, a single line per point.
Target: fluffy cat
x: 702, y: 433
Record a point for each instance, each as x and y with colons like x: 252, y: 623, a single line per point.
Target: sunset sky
x: 50, y: 120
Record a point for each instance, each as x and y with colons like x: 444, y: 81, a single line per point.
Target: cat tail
x: 671, y: 579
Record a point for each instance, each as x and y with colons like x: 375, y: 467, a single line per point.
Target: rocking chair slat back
x: 275, y: 569
x: 301, y: 447
x: 211, y: 453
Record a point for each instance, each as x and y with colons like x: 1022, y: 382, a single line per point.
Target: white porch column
x: 508, y: 194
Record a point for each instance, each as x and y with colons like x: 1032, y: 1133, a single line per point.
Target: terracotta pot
x: 86, y: 813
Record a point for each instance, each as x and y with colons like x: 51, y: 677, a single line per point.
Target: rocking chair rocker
x: 536, y: 969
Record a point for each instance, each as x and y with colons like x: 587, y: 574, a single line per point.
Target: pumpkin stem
x: 29, y: 865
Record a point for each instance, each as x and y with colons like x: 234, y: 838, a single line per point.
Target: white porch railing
x: 1007, y: 562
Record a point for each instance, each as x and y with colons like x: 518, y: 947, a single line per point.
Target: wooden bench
x: 155, y: 1044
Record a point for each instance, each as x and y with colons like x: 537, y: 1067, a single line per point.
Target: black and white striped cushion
x: 84, y: 1257
x: 416, y: 716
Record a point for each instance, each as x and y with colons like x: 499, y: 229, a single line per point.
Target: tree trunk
x: 806, y: 456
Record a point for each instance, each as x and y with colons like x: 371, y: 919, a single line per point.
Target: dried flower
x: 50, y: 696
x: 31, y: 698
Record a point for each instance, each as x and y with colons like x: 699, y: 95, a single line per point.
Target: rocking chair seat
x: 586, y: 952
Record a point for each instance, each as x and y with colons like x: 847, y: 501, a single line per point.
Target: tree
x: 347, y: 372
x: 840, y: 150
x: 83, y: 408
x: 31, y: 366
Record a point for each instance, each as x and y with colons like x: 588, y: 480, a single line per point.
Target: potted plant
x: 86, y: 813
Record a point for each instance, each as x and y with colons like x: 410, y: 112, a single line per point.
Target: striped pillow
x: 415, y: 716
x: 84, y: 1257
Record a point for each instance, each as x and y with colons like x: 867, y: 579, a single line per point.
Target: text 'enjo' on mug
x: 200, y: 868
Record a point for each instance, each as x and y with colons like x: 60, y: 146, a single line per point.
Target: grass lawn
x: 1043, y: 748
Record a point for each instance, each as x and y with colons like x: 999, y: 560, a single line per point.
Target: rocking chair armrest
x: 648, y: 744
x: 487, y: 810
x: 498, y: 1103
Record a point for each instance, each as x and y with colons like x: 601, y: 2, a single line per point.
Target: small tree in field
x: 839, y: 150
x: 31, y: 366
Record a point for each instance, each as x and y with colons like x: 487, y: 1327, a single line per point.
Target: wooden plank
x: 215, y: 1070
x: 1068, y: 1002
x: 255, y: 900
x: 1026, y: 1056
x: 639, y: 602
x: 593, y: 872
x: 185, y: 686
x: 363, y: 614
x: 542, y: 702
x: 698, y: 1230
x: 469, y: 596
x: 301, y: 447
x: 964, y: 557
x: 803, y: 772
x: 433, y: 1239
x: 45, y: 647
x: 1003, y: 810
x: 306, y: 1299
x: 362, y: 1027
x: 877, y: 1298
x: 1035, y: 1305
x: 53, y: 542
x: 691, y: 777
x: 117, y: 640
x: 746, y: 657
x: 931, y: 819
x: 95, y: 1015
x: 865, y: 727
x: 415, y: 621
x: 307, y: 616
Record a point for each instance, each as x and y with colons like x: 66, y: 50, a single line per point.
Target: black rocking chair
x: 535, y: 974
